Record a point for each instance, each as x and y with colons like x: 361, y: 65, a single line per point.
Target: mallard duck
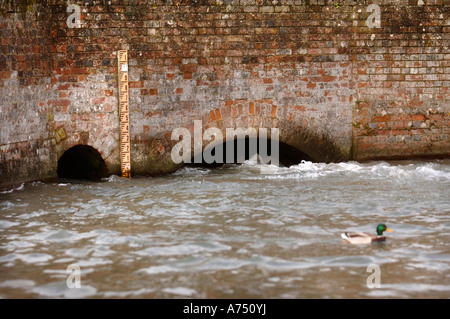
x: 366, y: 238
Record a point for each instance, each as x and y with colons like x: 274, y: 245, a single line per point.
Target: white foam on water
x: 35, y: 214
x: 278, y: 264
x: 8, y: 258
x: 60, y: 290
x: 235, y: 222
x: 34, y: 224
x: 181, y: 291
x: 161, y: 269
x: 376, y: 170
x: 192, y: 171
x: 78, y: 252
x: 94, y: 261
x: 18, y: 283
x: 34, y: 258
x: 123, y: 294
x: 271, y: 221
x: 183, y: 249
x: 429, y: 171
x: 7, y: 224
x: 18, y: 188
x: 113, y: 178
x: 61, y: 235
x: 416, y: 287
x: 310, y: 230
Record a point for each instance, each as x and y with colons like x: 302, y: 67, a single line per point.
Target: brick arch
x: 102, y: 141
x: 296, y: 129
x: 81, y: 161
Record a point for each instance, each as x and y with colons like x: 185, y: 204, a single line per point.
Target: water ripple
x: 247, y: 231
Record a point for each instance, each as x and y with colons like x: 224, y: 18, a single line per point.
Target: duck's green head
x: 381, y: 228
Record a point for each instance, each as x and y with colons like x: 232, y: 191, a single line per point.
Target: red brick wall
x: 337, y: 89
x: 401, y: 74
x: 25, y: 71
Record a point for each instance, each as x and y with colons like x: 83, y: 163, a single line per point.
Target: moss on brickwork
x: 21, y: 6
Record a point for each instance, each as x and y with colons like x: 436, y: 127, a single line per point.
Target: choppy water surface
x: 247, y: 231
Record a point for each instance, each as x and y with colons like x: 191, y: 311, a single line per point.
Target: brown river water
x: 240, y: 231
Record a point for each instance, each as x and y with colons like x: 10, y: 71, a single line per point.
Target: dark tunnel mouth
x: 288, y: 155
x: 82, y: 162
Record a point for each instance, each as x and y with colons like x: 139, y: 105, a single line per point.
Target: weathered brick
x: 250, y: 63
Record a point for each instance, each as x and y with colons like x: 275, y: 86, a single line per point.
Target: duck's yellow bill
x: 389, y: 230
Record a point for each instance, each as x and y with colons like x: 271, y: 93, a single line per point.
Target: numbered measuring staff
x: 124, y: 87
x: 124, y: 108
x: 124, y: 116
x: 123, y: 56
x: 124, y: 97
x: 123, y: 77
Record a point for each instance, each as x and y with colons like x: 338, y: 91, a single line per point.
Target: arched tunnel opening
x: 82, y: 162
x: 287, y: 154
